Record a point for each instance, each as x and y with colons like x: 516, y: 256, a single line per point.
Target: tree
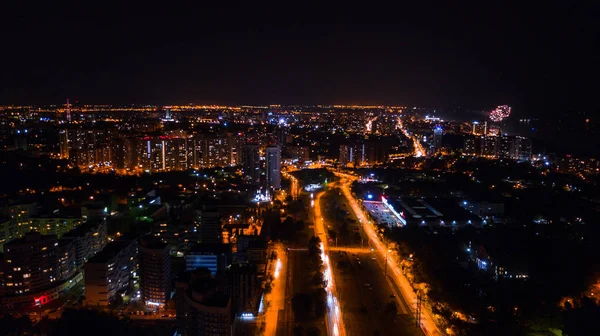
x: 320, y: 302
x: 313, y: 246
x: 268, y: 288
x: 318, y: 279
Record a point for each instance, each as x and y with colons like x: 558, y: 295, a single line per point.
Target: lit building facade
x: 273, y: 155
x: 110, y: 272
x: 31, y: 263
x: 251, y: 162
x: 154, y: 271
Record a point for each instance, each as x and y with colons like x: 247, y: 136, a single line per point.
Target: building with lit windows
x: 299, y: 153
x: 86, y: 147
x: 214, y: 257
x: 521, y: 149
x: 19, y: 216
x: 251, y: 162
x: 88, y: 239
x: 346, y: 155
x: 110, y: 272
x: 273, y: 155
x: 470, y: 146
x: 489, y: 146
x: 31, y: 263
x: 244, y: 288
x: 437, y: 138
x: 154, y: 271
x: 53, y: 224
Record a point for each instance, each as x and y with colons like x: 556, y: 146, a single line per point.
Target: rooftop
x: 110, y: 251
x: 213, y: 248
x: 28, y: 238
x: 83, y: 229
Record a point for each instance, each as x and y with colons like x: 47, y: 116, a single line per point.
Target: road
x: 394, y: 273
x: 277, y: 297
x: 354, y: 250
x: 334, y: 321
x: 368, y: 300
x: 295, y: 187
x: 418, y: 148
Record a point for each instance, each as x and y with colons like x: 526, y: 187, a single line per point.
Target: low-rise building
x: 501, y: 266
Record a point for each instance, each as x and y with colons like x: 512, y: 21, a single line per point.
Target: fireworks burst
x: 499, y: 113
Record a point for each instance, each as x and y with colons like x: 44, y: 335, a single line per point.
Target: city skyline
x: 281, y: 170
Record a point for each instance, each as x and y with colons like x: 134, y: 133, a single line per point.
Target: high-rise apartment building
x: 470, y: 146
x: 273, y: 155
x: 251, y: 162
x: 243, y: 287
x: 489, y: 146
x: 86, y: 146
x: 514, y: 147
x: 110, y: 272
x: 154, y: 271
x: 31, y: 263
x: 346, y: 154
x: 203, y: 308
x: 521, y: 148
x: 437, y: 138
x: 210, y: 227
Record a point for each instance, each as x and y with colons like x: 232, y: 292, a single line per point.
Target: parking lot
x: 381, y: 214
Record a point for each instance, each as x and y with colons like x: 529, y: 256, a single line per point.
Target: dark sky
x: 538, y: 59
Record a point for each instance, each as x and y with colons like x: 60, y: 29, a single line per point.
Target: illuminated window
x: 26, y: 275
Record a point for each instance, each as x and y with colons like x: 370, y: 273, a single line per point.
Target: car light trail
x: 334, y: 315
x: 418, y: 148
x: 277, y: 268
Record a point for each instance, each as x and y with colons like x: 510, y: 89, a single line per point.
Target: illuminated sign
x: 400, y: 216
x: 42, y: 300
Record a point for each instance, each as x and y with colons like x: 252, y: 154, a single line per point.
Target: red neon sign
x: 42, y: 300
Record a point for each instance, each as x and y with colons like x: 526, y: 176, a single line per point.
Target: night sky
x: 537, y: 59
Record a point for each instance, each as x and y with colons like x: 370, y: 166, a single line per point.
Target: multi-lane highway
x: 395, y: 275
x: 369, y: 302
